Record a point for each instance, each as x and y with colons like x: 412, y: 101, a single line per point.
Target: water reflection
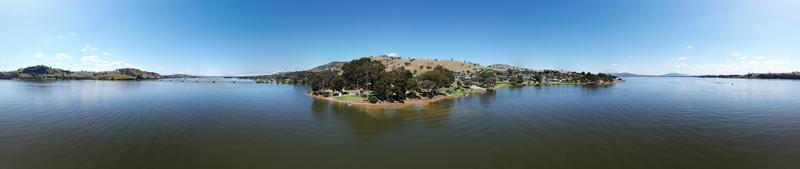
x: 367, y: 121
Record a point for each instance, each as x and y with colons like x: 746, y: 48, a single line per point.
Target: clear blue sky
x: 259, y: 37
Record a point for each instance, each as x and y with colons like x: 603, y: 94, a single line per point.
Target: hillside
x: 417, y: 65
x: 424, y: 65
x: 42, y: 72
x: 504, y: 67
x: 627, y: 74
x: 335, y: 66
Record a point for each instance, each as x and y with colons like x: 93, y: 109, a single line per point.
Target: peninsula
x: 393, y: 80
x: 792, y: 75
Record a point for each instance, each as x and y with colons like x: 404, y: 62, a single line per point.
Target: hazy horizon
x: 265, y: 37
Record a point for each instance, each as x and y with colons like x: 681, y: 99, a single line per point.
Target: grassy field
x: 349, y: 98
x: 424, y: 65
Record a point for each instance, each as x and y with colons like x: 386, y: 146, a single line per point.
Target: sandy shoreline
x: 409, y: 102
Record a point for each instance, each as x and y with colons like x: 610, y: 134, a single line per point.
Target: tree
x: 362, y: 73
x: 439, y: 77
x: 399, y: 78
x: 321, y: 80
x: 412, y: 86
x: 337, y: 83
x: 487, y: 78
x: 393, y: 85
x: 373, y: 99
x: 516, y: 81
x: 382, y: 86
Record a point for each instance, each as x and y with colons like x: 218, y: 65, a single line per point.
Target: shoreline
x: 409, y: 102
x: 426, y: 101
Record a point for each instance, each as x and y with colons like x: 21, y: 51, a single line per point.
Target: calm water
x: 643, y: 123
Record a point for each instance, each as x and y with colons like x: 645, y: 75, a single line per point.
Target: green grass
x: 465, y: 91
x: 349, y: 98
x: 501, y: 85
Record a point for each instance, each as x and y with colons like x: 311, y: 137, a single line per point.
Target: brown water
x: 642, y: 123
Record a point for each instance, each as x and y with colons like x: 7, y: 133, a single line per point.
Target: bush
x: 373, y: 99
x: 326, y: 94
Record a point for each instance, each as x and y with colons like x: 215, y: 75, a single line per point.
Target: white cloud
x: 392, y: 54
x: 739, y: 55
x: 38, y: 55
x: 679, y: 62
x: 89, y: 48
x: 106, y: 54
x: 689, y: 47
x: 62, y: 56
x: 60, y: 36
x: 90, y: 58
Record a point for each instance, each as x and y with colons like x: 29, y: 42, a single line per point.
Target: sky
x: 263, y: 36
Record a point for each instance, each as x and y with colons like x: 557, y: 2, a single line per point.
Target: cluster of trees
x: 595, y: 78
x: 793, y: 75
x: 518, y: 77
x: 488, y: 78
x: 365, y: 74
x: 439, y: 77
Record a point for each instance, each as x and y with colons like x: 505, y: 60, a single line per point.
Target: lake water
x: 642, y: 123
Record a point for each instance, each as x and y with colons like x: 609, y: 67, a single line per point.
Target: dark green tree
x: 362, y: 73
x: 338, y: 83
x: 487, y: 78
x: 516, y: 81
x: 435, y: 79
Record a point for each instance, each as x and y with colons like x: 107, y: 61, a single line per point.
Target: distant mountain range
x: 180, y: 76
x: 792, y: 75
x: 626, y: 74
x: 41, y: 72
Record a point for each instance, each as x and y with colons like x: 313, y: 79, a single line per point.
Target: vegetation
x: 370, y: 77
x: 793, y: 75
x: 47, y: 73
x: 373, y: 99
x: 432, y: 80
x: 487, y: 78
x: 349, y: 98
x: 362, y: 73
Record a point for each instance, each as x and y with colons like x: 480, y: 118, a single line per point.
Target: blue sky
x: 260, y: 37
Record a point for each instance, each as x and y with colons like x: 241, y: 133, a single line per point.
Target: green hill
x: 42, y: 72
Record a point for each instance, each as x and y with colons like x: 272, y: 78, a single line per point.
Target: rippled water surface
x: 642, y: 123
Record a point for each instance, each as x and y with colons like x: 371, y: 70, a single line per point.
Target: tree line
x: 371, y: 77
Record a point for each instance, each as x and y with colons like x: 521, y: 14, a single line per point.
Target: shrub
x: 326, y: 94
x: 373, y: 99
